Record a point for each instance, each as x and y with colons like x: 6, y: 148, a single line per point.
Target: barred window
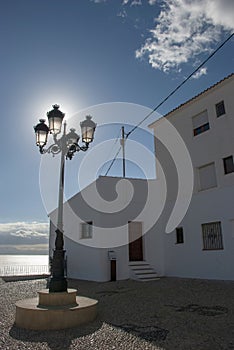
x: 212, y: 236
x: 220, y: 108
x: 86, y: 229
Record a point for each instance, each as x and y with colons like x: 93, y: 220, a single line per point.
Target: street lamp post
x: 67, y: 145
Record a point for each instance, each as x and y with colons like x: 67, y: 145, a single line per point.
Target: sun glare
x: 43, y: 102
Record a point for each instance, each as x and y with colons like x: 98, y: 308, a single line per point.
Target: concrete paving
x: 170, y: 313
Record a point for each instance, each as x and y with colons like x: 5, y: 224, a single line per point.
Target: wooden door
x: 113, y: 270
x: 135, y: 241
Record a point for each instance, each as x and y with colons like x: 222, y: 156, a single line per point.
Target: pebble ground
x: 167, y: 314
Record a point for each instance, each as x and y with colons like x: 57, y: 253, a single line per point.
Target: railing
x: 24, y: 270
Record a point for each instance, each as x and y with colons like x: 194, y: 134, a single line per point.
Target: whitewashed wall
x: 88, y: 258
x: 214, y: 204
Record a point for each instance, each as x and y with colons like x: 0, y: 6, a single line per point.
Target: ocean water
x: 11, y: 265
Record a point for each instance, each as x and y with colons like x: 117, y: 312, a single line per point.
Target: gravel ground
x: 169, y: 313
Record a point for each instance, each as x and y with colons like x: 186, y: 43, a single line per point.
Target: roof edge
x: 151, y: 125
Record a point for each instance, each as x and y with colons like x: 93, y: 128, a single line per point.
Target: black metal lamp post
x: 67, y: 145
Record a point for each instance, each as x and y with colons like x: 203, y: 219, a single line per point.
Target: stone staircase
x: 142, y: 271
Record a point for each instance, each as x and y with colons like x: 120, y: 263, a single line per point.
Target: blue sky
x: 84, y: 53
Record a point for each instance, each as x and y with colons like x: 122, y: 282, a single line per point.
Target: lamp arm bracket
x: 54, y: 149
x: 75, y: 148
x: 81, y: 148
x: 84, y: 148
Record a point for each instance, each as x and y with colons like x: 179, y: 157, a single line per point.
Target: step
x: 136, y: 263
x: 148, y: 279
x: 142, y: 271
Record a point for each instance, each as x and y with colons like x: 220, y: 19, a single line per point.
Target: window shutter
x: 207, y: 176
x: 200, y: 119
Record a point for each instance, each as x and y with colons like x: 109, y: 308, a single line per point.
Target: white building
x: 104, y: 219
x: 203, y: 244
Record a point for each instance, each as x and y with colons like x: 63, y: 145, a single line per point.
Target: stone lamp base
x: 55, y: 311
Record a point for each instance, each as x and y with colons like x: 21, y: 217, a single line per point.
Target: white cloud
x: 132, y: 2
x: 16, y: 237
x: 122, y: 13
x: 200, y: 72
x: 98, y: 1
x: 25, y: 229
x: 29, y: 234
x: 136, y: 3
x: 221, y: 12
x: 184, y: 29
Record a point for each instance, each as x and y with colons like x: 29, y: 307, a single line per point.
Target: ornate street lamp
x: 41, y: 131
x: 55, y: 119
x: 67, y: 145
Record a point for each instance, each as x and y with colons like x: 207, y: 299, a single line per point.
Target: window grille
x: 212, y: 236
x: 220, y: 109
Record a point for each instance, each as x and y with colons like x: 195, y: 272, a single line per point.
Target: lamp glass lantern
x: 72, y: 137
x: 87, y: 129
x: 41, y: 131
x: 55, y: 118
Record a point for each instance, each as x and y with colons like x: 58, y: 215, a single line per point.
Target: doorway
x: 135, y: 241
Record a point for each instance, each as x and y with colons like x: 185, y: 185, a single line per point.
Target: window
x: 87, y: 229
x: 207, y: 176
x: 220, y: 109
x: 200, y: 123
x: 212, y: 236
x: 179, y: 235
x: 201, y: 129
x: 228, y: 165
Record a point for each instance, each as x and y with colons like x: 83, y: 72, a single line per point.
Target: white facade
x: 203, y: 244
x: 121, y: 201
x: 213, y: 192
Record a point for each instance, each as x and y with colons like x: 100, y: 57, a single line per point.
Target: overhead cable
x: 116, y: 139
x: 113, y: 160
x: 179, y: 86
x: 170, y: 94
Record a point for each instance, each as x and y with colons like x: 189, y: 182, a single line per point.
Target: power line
x: 113, y: 160
x: 116, y: 139
x: 179, y: 86
x: 168, y: 96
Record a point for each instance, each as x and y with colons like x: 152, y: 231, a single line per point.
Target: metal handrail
x: 23, y: 270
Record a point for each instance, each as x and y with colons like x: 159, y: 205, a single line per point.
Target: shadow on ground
x: 55, y: 340
x: 119, y: 312
x: 167, y: 314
